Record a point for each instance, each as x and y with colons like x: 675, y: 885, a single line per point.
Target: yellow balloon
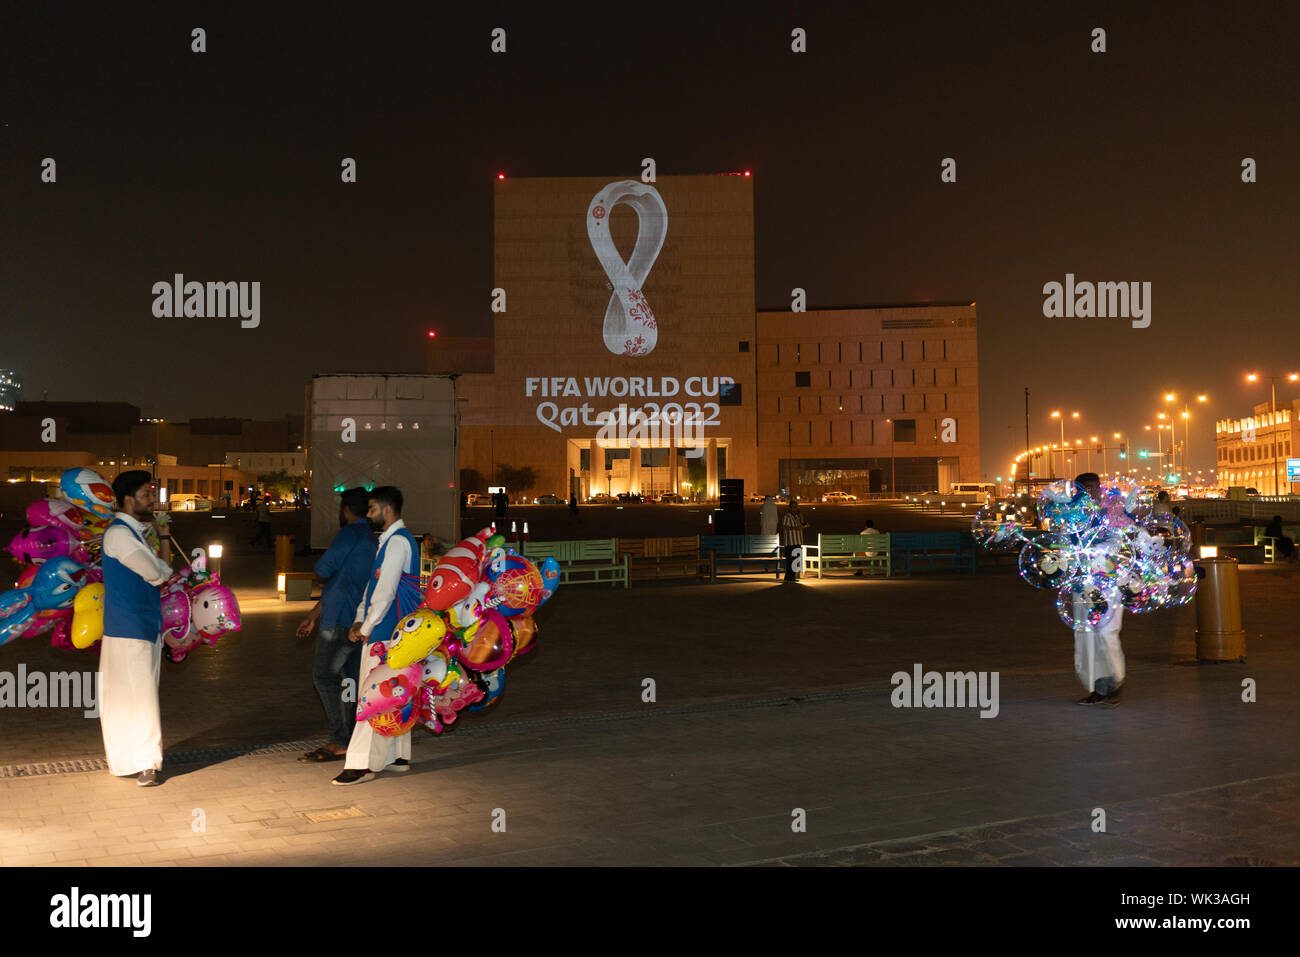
x: 415, y: 636
x: 88, y: 615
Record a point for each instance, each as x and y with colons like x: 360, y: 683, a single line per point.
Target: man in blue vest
x: 392, y: 593
x: 131, y: 650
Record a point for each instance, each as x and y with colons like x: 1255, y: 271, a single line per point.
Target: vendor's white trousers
x: 128, y: 704
x: 1102, y: 644
x: 369, y: 749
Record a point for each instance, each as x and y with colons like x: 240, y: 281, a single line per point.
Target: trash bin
x: 283, y: 553
x: 1219, y: 635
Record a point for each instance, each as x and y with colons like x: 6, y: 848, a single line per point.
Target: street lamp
x: 1292, y: 377
x: 893, y: 488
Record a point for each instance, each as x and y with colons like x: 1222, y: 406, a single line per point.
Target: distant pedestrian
x: 792, y: 526
x: 345, y: 568
x: 868, y: 529
x: 1284, y: 547
x: 573, y: 508
x: 263, y: 524
x: 768, y: 516
x: 501, y: 502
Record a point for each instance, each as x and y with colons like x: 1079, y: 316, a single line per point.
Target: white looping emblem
x: 630, y: 328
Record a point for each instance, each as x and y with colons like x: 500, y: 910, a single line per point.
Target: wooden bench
x: 656, y: 558
x: 934, y: 550
x: 585, y: 561
x: 740, y: 549
x: 866, y: 552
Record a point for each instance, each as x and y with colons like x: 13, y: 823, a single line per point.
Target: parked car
x: 600, y: 498
x: 671, y: 497
x: 839, y: 497
x: 548, y: 500
x: 629, y: 498
x: 473, y: 498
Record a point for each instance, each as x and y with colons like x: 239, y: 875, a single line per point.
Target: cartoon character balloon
x: 87, y: 490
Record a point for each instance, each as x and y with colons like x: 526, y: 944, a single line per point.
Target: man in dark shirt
x: 345, y: 568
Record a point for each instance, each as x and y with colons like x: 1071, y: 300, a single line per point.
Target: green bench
x: 854, y: 552
x: 934, y: 550
x: 765, y: 549
x: 585, y: 561
x: 1270, y: 544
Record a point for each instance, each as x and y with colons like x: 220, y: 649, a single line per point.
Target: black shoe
x: 401, y: 764
x: 1111, y: 700
x: 355, y: 776
x: 1093, y: 698
x: 148, y: 779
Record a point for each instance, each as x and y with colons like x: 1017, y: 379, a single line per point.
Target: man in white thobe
x: 1098, y: 656
x: 131, y: 649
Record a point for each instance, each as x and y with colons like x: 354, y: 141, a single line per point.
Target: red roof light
x: 501, y: 175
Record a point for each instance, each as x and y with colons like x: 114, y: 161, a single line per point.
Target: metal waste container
x: 1219, y: 635
x: 283, y: 553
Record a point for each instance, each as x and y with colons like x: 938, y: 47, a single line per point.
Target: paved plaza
x: 771, y: 700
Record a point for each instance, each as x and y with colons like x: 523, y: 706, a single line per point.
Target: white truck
x: 371, y: 430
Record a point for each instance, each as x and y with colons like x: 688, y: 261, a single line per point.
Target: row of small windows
x: 803, y: 380
x: 862, y: 405
x: 1255, y: 452
x: 904, y: 430
x: 861, y: 351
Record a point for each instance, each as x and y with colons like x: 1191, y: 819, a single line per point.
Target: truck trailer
x: 371, y: 430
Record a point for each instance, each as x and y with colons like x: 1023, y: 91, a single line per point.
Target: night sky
x: 225, y: 166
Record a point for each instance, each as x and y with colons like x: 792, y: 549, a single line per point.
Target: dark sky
x: 225, y: 166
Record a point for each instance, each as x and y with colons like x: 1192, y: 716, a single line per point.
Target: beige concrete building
x: 1251, y: 451
x: 628, y: 356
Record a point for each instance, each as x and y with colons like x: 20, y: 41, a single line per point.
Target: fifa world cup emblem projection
x: 630, y: 328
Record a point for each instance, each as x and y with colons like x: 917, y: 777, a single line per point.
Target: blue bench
x: 740, y: 549
x: 931, y: 550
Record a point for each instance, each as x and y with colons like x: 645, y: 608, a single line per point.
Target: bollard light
x: 1209, y: 551
x: 279, y: 583
x: 214, y: 559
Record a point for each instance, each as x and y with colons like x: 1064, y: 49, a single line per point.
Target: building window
x: 850, y: 431
x: 778, y: 403
x: 859, y: 352
x: 612, y: 454
x: 859, y: 401
x: 934, y: 375
x: 810, y: 431
x: 798, y: 353
x: 913, y: 377
x: 744, y: 345
x: 830, y: 431
x: 841, y: 403
x: 882, y: 402
x: 828, y: 378
x: 882, y: 350
x: 901, y: 357
x: 871, y: 377
x: 819, y: 403
x: 922, y: 350
x: 891, y: 377
x: 923, y: 402
x: 840, y: 347
x: 850, y: 378
x: 945, y: 348
x: 798, y: 403
x: 819, y: 352
x: 905, y: 430
x: 802, y: 380
x: 729, y: 393
x: 778, y: 353
x: 904, y: 398
x: 945, y: 400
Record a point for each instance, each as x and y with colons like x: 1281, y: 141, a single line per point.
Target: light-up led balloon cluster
x: 449, y: 655
x: 1096, y: 554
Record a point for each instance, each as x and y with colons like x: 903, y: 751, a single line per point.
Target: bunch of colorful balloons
x: 449, y: 655
x: 1097, y: 554
x: 61, y: 591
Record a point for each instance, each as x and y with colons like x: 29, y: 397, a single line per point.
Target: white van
x: 985, y: 490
